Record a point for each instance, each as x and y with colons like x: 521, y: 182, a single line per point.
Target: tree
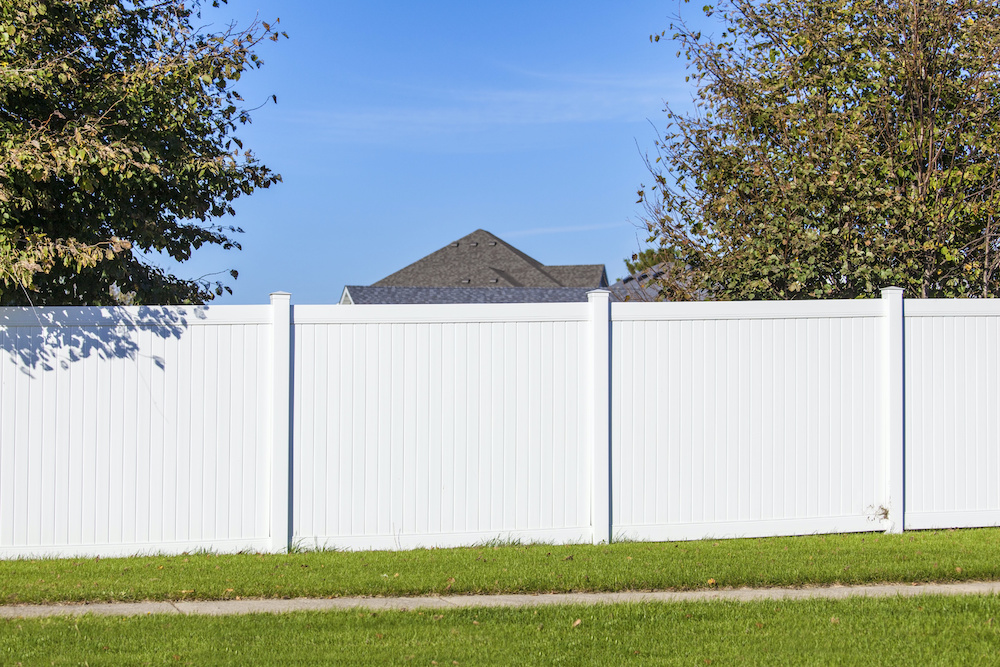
x: 116, y: 126
x: 836, y: 147
x: 643, y: 260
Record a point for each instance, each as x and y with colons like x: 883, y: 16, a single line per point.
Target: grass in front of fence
x: 921, y: 556
x: 930, y: 630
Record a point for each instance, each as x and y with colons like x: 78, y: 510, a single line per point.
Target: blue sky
x: 402, y: 126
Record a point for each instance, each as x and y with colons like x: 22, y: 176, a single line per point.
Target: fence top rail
x: 441, y: 313
x: 952, y: 308
x: 182, y: 316
x: 746, y: 310
x: 132, y: 316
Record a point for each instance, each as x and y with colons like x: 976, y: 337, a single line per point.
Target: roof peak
x: 482, y: 258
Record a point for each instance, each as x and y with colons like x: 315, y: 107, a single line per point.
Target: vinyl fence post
x: 280, y: 420
x: 600, y: 429
x: 893, y: 407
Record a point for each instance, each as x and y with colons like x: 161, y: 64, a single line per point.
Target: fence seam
x: 281, y: 441
x: 893, y: 404
x: 600, y: 427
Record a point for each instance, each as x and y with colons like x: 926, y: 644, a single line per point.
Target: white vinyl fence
x: 747, y: 419
x: 419, y: 425
x: 138, y: 430
x: 952, y: 413
x: 134, y: 429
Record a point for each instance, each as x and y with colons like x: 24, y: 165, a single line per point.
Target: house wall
x: 138, y: 430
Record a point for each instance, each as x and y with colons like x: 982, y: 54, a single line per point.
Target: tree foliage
x: 117, y: 121
x: 836, y: 147
x: 643, y: 260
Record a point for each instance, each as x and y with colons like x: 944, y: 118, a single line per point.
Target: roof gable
x: 481, y: 259
x: 579, y: 275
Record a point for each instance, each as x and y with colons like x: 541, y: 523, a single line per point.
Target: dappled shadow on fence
x: 40, y: 339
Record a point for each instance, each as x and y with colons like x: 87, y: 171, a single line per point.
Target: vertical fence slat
x: 892, y: 400
x: 599, y: 437
x: 280, y: 414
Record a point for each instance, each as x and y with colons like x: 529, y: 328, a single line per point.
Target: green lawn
x: 928, y: 630
x: 788, y: 561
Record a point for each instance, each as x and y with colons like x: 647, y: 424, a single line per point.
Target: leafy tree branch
x: 117, y: 137
x: 836, y: 147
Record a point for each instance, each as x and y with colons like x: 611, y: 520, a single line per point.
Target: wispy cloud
x: 540, y: 100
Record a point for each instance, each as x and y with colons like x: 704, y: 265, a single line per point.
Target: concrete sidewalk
x: 227, y: 607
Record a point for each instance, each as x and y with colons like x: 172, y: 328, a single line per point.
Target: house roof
x: 358, y: 294
x: 639, y: 286
x: 484, y: 260
x: 647, y: 285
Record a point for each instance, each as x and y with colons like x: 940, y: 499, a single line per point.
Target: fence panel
x: 133, y: 430
x: 126, y: 430
x: 745, y: 419
x: 953, y: 413
x: 439, y: 425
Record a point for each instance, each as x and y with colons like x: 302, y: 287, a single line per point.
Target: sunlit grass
x: 931, y: 630
x: 788, y: 561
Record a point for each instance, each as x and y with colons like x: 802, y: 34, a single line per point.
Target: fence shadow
x: 39, y: 339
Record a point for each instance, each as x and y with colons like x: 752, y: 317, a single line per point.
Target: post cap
x: 598, y: 294
x: 280, y: 296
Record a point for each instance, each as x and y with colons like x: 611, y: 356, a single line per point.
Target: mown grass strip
x: 939, y: 556
x: 932, y: 630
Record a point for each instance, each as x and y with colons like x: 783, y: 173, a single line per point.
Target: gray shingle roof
x: 579, y: 275
x: 639, y: 286
x: 484, y: 260
x: 646, y: 285
x: 358, y: 294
